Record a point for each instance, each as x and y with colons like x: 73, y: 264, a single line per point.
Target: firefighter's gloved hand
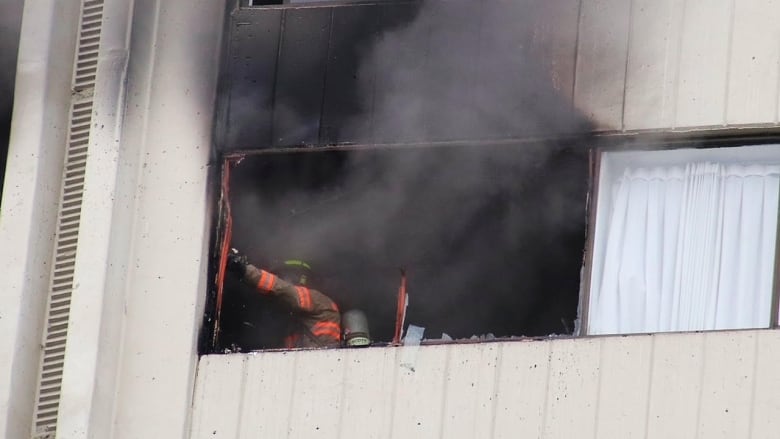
x: 236, y: 262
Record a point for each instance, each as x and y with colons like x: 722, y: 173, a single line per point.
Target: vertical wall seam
x: 546, y: 386
x: 729, y: 54
x: 649, y: 387
x: 344, y: 383
x: 678, y: 61
x: 291, y: 406
x: 282, y: 23
x: 754, y: 384
x: 598, y: 387
x: 242, y: 397
x: 138, y: 174
x: 325, y: 78
x: 494, y: 391
x: 702, y: 370
x: 394, y: 397
x: 576, y: 59
x: 777, y: 88
x: 444, y: 392
x: 628, y: 57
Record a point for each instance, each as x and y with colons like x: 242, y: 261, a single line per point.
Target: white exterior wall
x: 679, y: 64
x: 141, y: 260
x: 131, y: 368
x: 29, y: 207
x: 669, y: 65
x: 698, y: 385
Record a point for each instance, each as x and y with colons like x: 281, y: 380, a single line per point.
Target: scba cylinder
x: 355, y: 324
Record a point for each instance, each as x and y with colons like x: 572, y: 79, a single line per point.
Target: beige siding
x: 601, y: 61
x: 678, y: 64
x: 623, y: 408
x: 753, y: 70
x: 653, y: 62
x: 706, y: 385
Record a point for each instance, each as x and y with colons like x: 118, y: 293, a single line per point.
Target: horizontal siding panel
x: 419, y: 392
x: 572, y: 388
x: 677, y: 366
x: 623, y: 408
x: 704, y: 61
x: 753, y: 74
x: 369, y: 391
x: 765, y: 420
x: 653, y: 61
x: 218, y: 391
x: 316, y: 400
x: 524, y: 368
x: 267, y: 395
x: 727, y: 385
x: 709, y: 385
x: 601, y: 64
x: 470, y: 391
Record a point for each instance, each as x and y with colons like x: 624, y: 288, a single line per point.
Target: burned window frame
x: 210, y: 333
x: 665, y: 141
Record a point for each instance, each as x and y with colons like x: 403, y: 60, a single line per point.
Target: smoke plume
x: 490, y: 231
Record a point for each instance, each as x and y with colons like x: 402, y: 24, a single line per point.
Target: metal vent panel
x: 68, y: 222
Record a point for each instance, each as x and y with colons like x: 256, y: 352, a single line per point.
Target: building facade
x: 126, y: 111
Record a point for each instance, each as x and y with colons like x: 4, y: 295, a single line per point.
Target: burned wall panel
x: 404, y: 72
x: 348, y: 100
x: 254, y: 45
x: 300, y: 76
x: 399, y: 60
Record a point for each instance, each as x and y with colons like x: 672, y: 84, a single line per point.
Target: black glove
x: 236, y: 262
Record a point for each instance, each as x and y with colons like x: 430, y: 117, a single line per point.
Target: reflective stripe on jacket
x: 317, y: 315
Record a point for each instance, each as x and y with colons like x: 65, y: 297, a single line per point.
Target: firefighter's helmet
x: 294, y: 271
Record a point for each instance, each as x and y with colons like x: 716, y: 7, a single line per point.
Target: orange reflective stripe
x: 271, y: 282
x: 304, y: 298
x: 331, y: 333
x: 321, y: 325
x: 266, y: 282
x: 328, y: 329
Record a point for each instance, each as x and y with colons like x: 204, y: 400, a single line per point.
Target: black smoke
x: 490, y: 229
x: 10, y: 22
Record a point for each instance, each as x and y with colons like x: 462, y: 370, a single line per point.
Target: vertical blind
x: 688, y: 247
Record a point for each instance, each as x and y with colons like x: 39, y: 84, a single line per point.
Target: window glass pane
x: 685, y: 240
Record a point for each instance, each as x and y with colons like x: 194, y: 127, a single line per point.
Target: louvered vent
x: 69, y: 216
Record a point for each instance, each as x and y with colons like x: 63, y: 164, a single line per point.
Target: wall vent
x: 55, y: 331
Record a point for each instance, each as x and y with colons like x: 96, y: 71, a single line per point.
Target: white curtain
x: 688, y: 247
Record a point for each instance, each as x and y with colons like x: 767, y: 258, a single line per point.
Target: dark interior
x: 491, y: 237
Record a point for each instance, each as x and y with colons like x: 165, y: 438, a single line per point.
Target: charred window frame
x: 329, y: 85
x: 299, y: 3
x: 545, y: 295
x: 713, y: 143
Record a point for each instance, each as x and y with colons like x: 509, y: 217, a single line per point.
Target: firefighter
x: 317, y: 321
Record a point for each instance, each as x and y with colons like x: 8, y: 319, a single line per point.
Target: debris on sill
x: 411, y: 344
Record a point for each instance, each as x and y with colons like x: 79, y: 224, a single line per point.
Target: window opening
x: 304, y: 2
x: 685, y: 240
x: 488, y: 239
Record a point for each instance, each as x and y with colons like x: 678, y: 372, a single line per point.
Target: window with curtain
x: 685, y: 240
